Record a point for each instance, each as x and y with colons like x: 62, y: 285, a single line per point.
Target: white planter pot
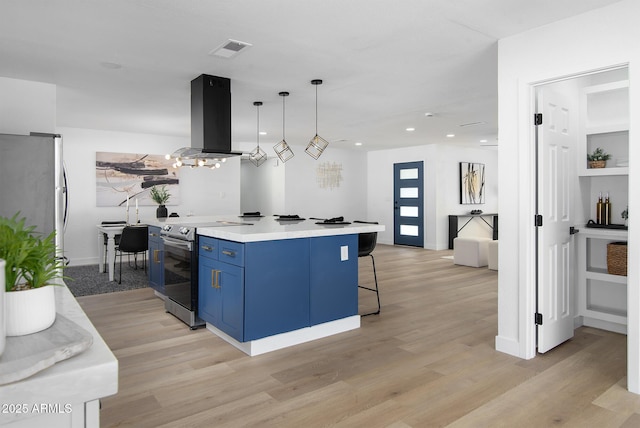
x: 30, y: 311
x: 2, y: 310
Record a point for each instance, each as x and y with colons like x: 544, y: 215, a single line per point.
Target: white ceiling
x: 385, y: 63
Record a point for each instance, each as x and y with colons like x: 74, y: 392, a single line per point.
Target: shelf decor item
x: 160, y: 195
x: 625, y: 215
x: 617, y: 258
x: 31, y: 266
x: 598, y: 159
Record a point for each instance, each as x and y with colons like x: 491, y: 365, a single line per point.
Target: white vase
x: 3, y: 333
x: 30, y: 311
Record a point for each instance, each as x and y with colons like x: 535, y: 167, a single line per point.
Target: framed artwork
x: 471, y: 183
x: 132, y: 175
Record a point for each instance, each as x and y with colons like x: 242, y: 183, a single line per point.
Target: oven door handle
x: 177, y: 243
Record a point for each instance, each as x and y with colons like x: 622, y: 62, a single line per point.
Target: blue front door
x: 408, y: 197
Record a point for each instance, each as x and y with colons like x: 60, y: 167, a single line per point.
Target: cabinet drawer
x: 208, y: 247
x: 231, y: 252
x: 154, y: 234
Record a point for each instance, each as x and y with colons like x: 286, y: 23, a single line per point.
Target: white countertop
x: 265, y: 228
x: 85, y: 377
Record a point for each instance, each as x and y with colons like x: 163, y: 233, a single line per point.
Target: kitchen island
x: 269, y: 284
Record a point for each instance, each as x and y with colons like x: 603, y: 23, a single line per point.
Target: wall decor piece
x: 471, y: 183
x: 122, y: 177
x: 329, y: 175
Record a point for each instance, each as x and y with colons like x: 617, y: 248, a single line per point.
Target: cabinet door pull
x: 156, y: 259
x: 153, y: 234
x: 229, y: 253
x: 214, y: 278
x: 218, y: 278
x: 206, y: 248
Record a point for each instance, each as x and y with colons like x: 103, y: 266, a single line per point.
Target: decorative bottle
x: 607, y: 210
x: 599, y: 209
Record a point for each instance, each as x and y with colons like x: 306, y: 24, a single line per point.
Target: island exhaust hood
x: 210, y: 120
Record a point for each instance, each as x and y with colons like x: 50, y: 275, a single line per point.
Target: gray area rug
x: 86, y: 280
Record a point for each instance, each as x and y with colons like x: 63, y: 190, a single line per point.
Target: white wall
x: 27, y: 107
x: 304, y: 196
x: 591, y: 41
x: 262, y: 188
x: 441, y: 187
x: 202, y: 191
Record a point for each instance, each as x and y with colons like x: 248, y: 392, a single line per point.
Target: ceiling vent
x: 229, y: 49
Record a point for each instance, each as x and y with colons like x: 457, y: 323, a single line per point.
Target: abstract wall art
x: 471, y: 183
x: 132, y: 175
x: 329, y: 175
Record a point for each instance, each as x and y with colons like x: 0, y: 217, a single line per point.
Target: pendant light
x: 317, y: 144
x: 282, y: 149
x: 258, y: 156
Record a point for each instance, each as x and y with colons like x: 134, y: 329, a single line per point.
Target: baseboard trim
x: 291, y: 338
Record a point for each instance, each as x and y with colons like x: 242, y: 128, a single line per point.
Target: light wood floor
x: 427, y: 360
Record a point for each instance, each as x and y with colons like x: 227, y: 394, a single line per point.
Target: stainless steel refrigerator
x: 33, y: 182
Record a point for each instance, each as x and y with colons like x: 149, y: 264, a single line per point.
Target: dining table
x: 111, y: 230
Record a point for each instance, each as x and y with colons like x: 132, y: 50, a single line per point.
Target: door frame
x: 526, y: 231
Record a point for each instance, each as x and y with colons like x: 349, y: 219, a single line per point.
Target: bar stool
x: 366, y: 245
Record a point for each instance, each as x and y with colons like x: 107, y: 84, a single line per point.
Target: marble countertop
x: 267, y: 228
x: 88, y: 376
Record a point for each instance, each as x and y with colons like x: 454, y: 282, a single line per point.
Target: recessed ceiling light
x: 429, y: 114
x: 229, y: 49
x: 472, y: 124
x: 358, y: 143
x: 451, y: 135
x: 411, y: 129
x: 483, y: 141
x: 263, y: 133
x: 111, y: 65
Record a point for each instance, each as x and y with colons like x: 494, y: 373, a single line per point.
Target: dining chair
x: 366, y: 245
x: 106, y: 238
x: 134, y: 240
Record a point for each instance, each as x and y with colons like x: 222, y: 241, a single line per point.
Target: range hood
x: 210, y: 120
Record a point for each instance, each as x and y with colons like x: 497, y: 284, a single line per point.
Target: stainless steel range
x: 181, y: 269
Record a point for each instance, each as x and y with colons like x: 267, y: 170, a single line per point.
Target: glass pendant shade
x: 317, y: 144
x: 282, y: 149
x: 257, y: 155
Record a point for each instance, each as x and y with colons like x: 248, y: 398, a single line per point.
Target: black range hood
x: 210, y: 119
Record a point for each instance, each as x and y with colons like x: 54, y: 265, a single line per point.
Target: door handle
x: 573, y: 230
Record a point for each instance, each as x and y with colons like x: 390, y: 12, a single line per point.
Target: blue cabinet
x: 221, y: 285
x: 276, y: 287
x: 156, y: 260
x: 259, y: 289
x: 333, y: 278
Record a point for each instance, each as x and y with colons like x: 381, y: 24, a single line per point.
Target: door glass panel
x: 409, y: 174
x: 408, y: 229
x: 406, y: 211
x: 408, y: 192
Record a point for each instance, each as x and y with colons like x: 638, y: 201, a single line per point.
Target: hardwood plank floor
x: 427, y: 360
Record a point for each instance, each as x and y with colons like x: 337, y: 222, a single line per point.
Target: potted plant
x: 598, y: 159
x: 160, y: 195
x: 31, y: 266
